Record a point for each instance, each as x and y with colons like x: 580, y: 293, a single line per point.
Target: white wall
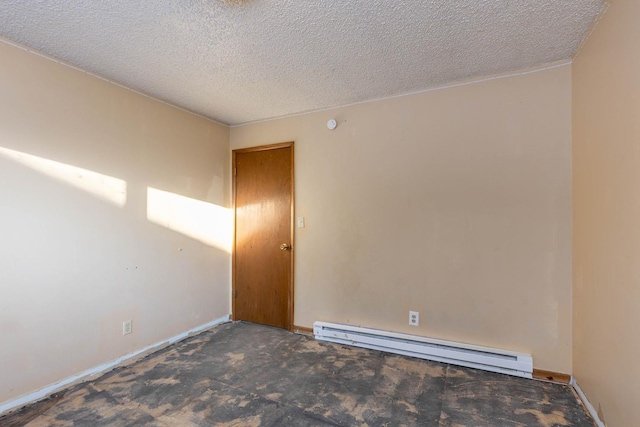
x: 78, y: 255
x: 455, y: 203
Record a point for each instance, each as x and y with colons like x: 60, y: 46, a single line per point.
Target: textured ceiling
x: 239, y: 61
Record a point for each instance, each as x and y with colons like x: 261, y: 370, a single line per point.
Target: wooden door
x: 263, y: 242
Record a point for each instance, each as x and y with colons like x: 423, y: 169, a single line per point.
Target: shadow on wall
x: 205, y: 222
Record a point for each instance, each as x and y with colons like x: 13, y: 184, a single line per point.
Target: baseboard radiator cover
x: 471, y: 356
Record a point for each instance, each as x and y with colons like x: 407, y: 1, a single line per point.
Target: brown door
x: 263, y: 253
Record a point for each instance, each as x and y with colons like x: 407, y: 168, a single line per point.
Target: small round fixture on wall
x: 332, y: 124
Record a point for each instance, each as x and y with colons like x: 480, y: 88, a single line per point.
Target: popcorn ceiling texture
x: 239, y: 61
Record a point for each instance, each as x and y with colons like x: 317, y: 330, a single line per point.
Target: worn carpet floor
x: 242, y: 374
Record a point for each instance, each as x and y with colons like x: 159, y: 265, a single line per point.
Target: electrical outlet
x: 414, y: 318
x: 126, y: 327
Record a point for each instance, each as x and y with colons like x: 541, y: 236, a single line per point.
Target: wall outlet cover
x: 126, y: 327
x: 414, y: 318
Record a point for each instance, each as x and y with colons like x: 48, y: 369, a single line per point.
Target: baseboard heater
x: 472, y: 356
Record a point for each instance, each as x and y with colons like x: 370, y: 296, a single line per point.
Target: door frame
x: 290, y: 144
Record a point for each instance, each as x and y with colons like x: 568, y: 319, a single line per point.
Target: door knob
x: 284, y: 247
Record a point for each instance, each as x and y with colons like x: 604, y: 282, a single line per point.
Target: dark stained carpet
x: 242, y: 374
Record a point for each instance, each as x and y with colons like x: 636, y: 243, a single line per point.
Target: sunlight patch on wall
x: 104, y: 187
x: 206, y: 222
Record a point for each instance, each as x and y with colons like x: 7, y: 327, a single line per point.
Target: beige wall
x: 76, y: 259
x: 606, y: 214
x: 455, y: 203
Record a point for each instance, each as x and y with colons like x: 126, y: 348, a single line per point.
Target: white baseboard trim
x: 97, y: 370
x: 586, y: 402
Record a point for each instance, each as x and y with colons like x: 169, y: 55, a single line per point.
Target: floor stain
x: 243, y: 374
x: 555, y: 418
